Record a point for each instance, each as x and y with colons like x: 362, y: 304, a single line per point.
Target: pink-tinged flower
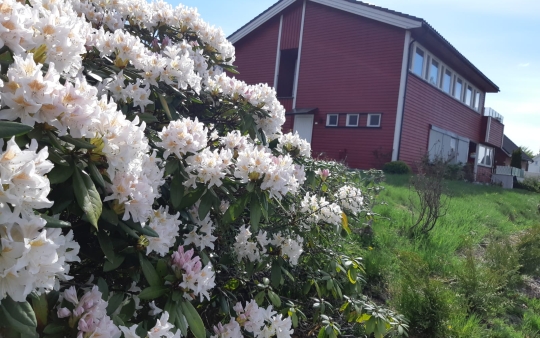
x: 324, y: 173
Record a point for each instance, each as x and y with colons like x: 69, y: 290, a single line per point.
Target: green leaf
x: 109, y: 216
x: 118, y: 260
x: 60, y: 174
x: 152, y: 292
x: 114, y: 302
x: 255, y: 213
x: 19, y: 316
x: 147, y: 117
x: 145, y: 231
x: 41, y: 309
x: 96, y: 175
x: 276, y: 274
x: 235, y: 210
x: 322, y: 333
x: 149, y: 272
x: 106, y: 245
x: 191, y: 197
x: 194, y: 320
x: 259, y: 298
x: 87, y: 196
x: 128, y: 230
x: 177, y: 190
x: 54, y: 328
x: 161, y: 267
x: 274, y: 298
x: 9, y: 129
x: 103, y: 288
x: 56, y: 158
x: 128, y: 310
x: 79, y: 143
x: 165, y: 106
x: 55, y: 223
x: 205, y: 205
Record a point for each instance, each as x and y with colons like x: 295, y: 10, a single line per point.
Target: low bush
x: 396, y: 167
x: 530, y: 184
x: 529, y: 249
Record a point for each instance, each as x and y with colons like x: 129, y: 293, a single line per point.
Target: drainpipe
x: 404, y: 97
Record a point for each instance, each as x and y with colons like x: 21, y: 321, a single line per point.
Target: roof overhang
x: 298, y: 111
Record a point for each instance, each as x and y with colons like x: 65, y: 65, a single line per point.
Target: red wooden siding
x: 350, y: 64
x: 288, y: 125
x: 286, y: 102
x: 290, y: 30
x: 426, y: 105
x: 256, y: 54
x: 496, y: 131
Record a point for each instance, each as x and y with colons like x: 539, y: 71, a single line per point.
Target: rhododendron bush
x: 145, y: 192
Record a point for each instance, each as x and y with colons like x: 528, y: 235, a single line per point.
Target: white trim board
x: 278, y: 53
x: 401, y: 95
x: 297, y: 70
x: 358, y: 9
x: 260, y: 20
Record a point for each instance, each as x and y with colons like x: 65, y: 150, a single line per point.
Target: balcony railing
x: 491, y: 112
x: 511, y: 171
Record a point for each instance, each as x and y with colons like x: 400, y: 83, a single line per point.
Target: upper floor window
x: 446, y: 83
x: 433, y: 70
x: 374, y: 120
x: 458, y: 88
x: 418, y: 65
x: 352, y: 120
x: 332, y: 120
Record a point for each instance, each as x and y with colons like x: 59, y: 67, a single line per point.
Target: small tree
x: 516, y: 158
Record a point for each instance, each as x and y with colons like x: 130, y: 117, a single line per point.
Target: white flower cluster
x: 260, y: 95
x: 234, y: 141
x: 183, y: 136
x: 90, y: 314
x: 350, y: 198
x: 32, y: 258
x: 115, y: 13
x: 291, y: 143
x: 201, y: 235
x: 194, y: 277
x: 244, y: 247
x: 52, y: 30
x: 280, y: 175
x: 209, y: 167
x: 261, y: 322
x: 173, y: 67
x: 138, y: 92
x: 167, y: 228
x: 320, y: 210
x: 161, y: 329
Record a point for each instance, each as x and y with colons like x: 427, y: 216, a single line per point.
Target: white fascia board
x: 297, y: 70
x: 278, y: 52
x: 401, y: 95
x: 260, y: 20
x: 372, y: 13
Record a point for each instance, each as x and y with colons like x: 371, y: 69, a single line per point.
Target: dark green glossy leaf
x: 79, y: 143
x: 87, y: 196
x: 194, y: 320
x: 96, y: 175
x: 149, y: 272
x: 60, y: 174
x: 9, y: 129
x: 177, y: 190
x: 152, y: 292
x: 55, y: 223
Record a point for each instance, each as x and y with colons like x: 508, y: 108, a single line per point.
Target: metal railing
x: 511, y: 171
x: 491, y: 112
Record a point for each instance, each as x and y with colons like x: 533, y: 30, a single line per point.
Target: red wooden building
x: 367, y: 85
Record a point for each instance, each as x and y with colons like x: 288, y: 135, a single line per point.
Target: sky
x: 500, y: 37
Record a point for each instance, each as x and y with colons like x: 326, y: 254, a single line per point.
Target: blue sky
x: 500, y: 37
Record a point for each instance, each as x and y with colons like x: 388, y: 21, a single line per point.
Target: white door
x: 303, y: 124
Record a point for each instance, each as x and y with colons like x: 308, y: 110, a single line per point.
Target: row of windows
x: 441, y: 76
x: 353, y: 120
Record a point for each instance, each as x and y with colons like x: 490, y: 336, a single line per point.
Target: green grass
x: 463, y: 279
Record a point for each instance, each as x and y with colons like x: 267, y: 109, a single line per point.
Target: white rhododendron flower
x: 350, y: 198
x: 194, y: 277
x: 183, y: 136
x: 319, y: 210
x: 292, y: 143
x: 167, y: 228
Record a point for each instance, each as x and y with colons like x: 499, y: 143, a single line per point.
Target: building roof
x: 425, y: 32
x: 509, y: 147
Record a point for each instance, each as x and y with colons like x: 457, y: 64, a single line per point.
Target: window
x: 433, y: 72
x: 287, y: 70
x: 332, y: 120
x: 352, y: 120
x: 485, y: 156
x: 469, y: 96
x: 476, y: 100
x: 418, y: 64
x: 374, y: 120
x: 446, y: 82
x: 458, y: 88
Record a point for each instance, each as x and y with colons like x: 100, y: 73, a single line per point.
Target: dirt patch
x: 531, y: 287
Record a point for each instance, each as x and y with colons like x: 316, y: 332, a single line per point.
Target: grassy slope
x: 446, y: 284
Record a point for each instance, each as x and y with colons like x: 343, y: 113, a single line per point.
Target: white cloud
x: 522, y: 65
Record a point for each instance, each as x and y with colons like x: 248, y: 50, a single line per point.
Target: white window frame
x: 480, y: 161
x: 328, y: 120
x: 428, y: 58
x: 357, y: 120
x: 428, y: 73
x: 368, y: 123
x: 456, y: 79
